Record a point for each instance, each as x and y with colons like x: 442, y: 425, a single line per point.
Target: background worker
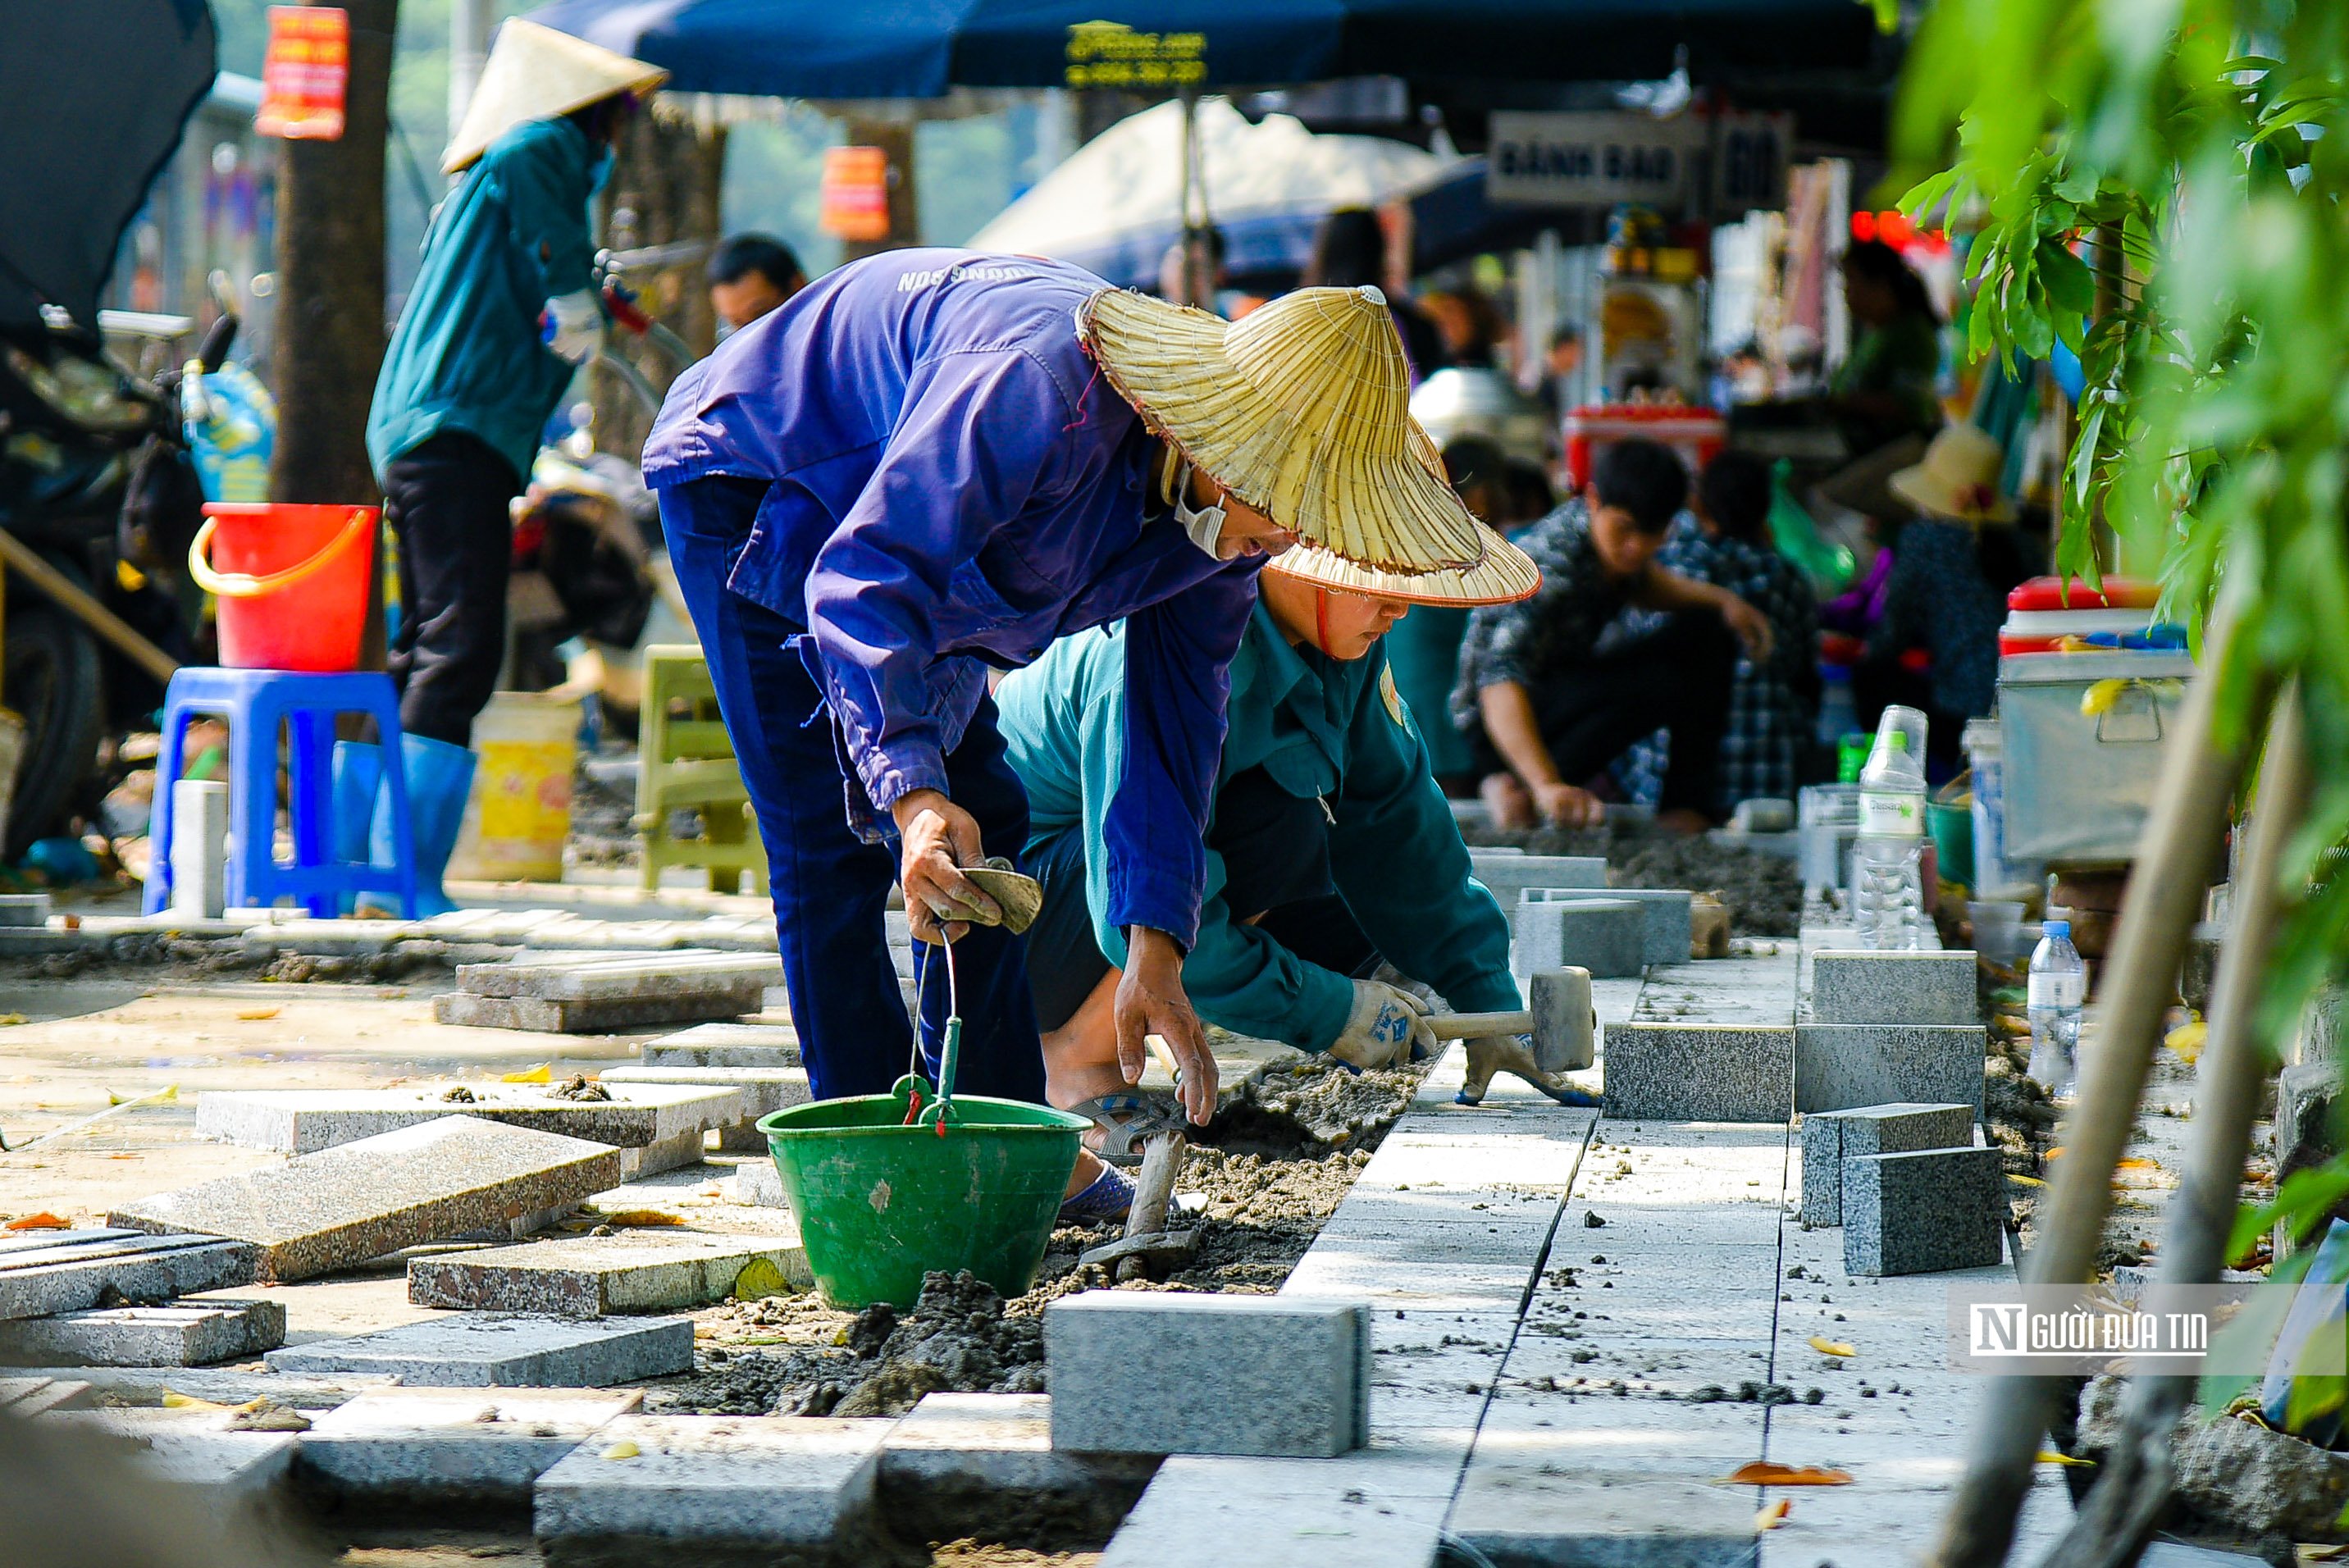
x: 750, y: 274
x: 1545, y: 707
x: 932, y: 462
x: 501, y: 314
x: 1329, y: 848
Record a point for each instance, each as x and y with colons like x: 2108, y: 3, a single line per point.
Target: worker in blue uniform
x: 502, y: 313
x: 1336, y: 872
x: 932, y: 463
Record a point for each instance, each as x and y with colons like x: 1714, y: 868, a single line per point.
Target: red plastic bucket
x: 292, y: 581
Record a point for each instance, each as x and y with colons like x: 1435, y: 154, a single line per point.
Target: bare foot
x: 1507, y: 801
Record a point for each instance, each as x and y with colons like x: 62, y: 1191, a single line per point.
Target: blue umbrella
x: 923, y: 48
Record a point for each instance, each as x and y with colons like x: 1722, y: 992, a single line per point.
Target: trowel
x: 1021, y: 897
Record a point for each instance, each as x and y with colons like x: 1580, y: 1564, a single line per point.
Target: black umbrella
x: 93, y: 94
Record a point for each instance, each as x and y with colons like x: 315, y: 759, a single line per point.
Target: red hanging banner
x: 305, y: 74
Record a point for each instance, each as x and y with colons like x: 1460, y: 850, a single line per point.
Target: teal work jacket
x: 466, y: 355
x: 1321, y: 728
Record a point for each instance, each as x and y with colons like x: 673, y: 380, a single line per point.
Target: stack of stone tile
x: 590, y: 993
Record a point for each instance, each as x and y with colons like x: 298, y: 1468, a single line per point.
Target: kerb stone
x: 695, y: 1484
x: 45, y: 1272
x: 1145, y: 1373
x: 450, y: 1447
x: 592, y: 1276
x: 28, y: 1396
x: 1668, y: 917
x: 192, y: 1334
x: 1510, y: 873
x: 727, y: 1046
x: 1839, y: 1066
x: 1868, y: 987
x: 757, y: 1182
x: 983, y: 1465
x: 495, y: 1351
x: 24, y: 909
x: 1699, y: 1072
x: 455, y: 1177
x: 1923, y: 1212
x: 237, y: 1480
x: 1604, y: 935
x: 1831, y: 1137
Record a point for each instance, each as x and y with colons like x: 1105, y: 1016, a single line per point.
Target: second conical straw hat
x: 1504, y: 575
x: 536, y: 73
x: 1302, y: 409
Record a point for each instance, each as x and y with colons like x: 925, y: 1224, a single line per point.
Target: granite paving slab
x: 1665, y: 916
x: 1871, y: 987
x: 441, y: 1448
x: 1698, y: 1072
x: 1840, y: 1065
x: 1925, y: 1212
x: 562, y: 977
x: 762, y: 1044
x: 495, y: 1350
x: 1831, y: 1137
x: 593, y: 1276
x: 189, y: 1334
x: 982, y: 1466
x: 676, y: 1487
x: 436, y: 1181
x: 303, y: 1122
x: 44, y: 1273
x: 616, y: 1015
x: 28, y: 1396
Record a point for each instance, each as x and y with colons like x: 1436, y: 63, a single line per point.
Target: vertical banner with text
x: 306, y: 73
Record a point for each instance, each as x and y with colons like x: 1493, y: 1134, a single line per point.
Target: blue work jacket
x: 466, y: 355
x: 954, y: 486
x: 1322, y: 728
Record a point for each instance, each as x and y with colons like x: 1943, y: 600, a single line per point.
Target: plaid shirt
x: 1556, y: 629
x: 1773, y: 707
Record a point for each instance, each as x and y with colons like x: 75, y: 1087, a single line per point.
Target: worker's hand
x: 1387, y: 1027
x: 572, y: 325
x: 1752, y: 626
x: 1565, y: 806
x: 938, y: 838
x: 1150, y: 1001
x: 1490, y: 1054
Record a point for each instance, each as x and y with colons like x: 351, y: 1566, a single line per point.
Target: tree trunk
x: 667, y: 174
x: 896, y: 141
x: 330, y: 280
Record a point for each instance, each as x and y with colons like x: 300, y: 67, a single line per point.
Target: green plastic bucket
x: 880, y: 1202
x: 1950, y: 818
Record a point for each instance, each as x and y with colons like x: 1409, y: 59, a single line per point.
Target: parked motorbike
x: 97, y: 486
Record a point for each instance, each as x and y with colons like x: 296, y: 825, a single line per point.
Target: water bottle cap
x: 2056, y: 928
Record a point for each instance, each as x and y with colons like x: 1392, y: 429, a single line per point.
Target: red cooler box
x: 1696, y: 434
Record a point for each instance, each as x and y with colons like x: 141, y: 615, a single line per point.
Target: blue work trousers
x: 830, y: 886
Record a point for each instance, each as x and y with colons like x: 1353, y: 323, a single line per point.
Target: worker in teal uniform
x: 1329, y: 847
x: 503, y: 314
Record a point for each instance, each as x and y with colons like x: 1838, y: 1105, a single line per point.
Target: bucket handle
x: 240, y: 585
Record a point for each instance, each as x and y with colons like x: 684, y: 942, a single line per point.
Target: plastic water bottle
x: 2057, y: 989
x: 1887, y: 895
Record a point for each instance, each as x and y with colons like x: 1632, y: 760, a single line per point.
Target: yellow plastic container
x: 519, y: 813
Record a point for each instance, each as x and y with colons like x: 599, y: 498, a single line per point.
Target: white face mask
x: 1205, y: 524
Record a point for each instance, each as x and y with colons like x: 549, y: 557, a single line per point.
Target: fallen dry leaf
x: 622, y: 1449
x: 10, y: 1020
x: 543, y: 1073
x: 2136, y: 1162
x: 256, y: 1014
x: 1831, y: 1347
x: 2050, y: 1457
x: 1769, y: 1472
x: 1773, y: 1514
x: 2026, y: 1181
x: 189, y: 1402
x: 642, y: 1217
x: 44, y: 1221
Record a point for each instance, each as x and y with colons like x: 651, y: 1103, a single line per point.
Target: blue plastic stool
x: 256, y: 703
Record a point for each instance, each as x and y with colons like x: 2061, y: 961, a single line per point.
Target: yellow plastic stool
x: 686, y: 763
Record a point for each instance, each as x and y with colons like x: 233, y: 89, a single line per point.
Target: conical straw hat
x: 1507, y: 574
x: 1301, y: 408
x: 537, y: 73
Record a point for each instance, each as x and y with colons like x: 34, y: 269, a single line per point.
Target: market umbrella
x: 92, y: 97
x: 923, y: 48
x: 1116, y: 204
